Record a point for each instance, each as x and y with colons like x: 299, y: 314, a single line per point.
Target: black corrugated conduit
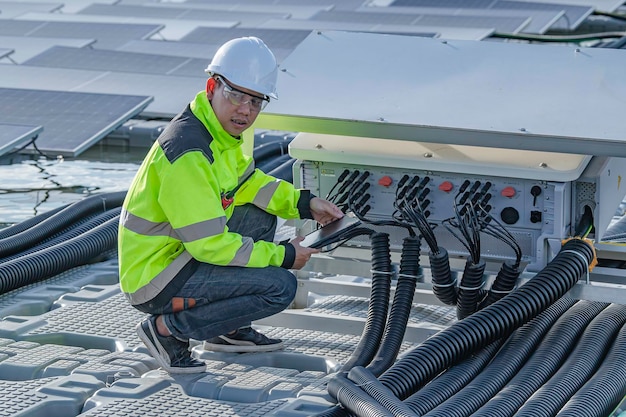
x: 503, y: 284
x: 365, y: 380
x: 545, y: 361
x: 382, y: 272
x: 68, y: 234
x: 284, y: 171
x: 408, y: 276
x: 579, y: 366
x: 443, y: 281
x: 58, y: 258
x: 271, y: 164
x: 603, y: 392
x: 59, y: 221
x: 511, y: 357
x: 355, y: 398
x: 452, y: 380
x: 498, y: 320
x: 28, y: 223
x: 270, y: 150
x: 468, y: 295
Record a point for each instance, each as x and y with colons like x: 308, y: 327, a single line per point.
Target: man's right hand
x: 303, y: 254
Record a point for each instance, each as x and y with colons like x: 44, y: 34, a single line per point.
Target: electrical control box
x: 538, y: 197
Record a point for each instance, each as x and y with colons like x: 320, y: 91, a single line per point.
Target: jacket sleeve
x: 190, y: 198
x: 275, y: 196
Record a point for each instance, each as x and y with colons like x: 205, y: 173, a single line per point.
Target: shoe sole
x: 158, y: 355
x: 214, y: 347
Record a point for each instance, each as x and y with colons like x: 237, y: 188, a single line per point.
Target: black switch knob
x: 509, y: 215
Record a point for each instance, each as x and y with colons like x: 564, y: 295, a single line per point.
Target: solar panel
x: 410, y: 30
x: 510, y: 24
x: 274, y: 38
x: 540, y: 21
x: 248, y: 18
x: 171, y: 48
x: 574, y: 15
x: 335, y: 4
x: 72, y: 121
x: 14, y: 136
x: 171, y: 93
x: 117, y: 61
x: 27, y: 47
x: 603, y: 5
x: 11, y: 9
x: 294, y: 11
x: 109, y: 35
x: 166, y: 28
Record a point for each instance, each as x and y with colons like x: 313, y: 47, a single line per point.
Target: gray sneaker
x: 172, y: 354
x: 244, y: 340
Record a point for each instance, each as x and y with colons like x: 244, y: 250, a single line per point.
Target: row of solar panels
x: 81, y: 69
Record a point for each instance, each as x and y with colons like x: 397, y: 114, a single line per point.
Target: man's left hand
x: 324, y: 211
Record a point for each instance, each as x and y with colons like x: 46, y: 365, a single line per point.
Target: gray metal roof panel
x: 11, y: 9
x: 180, y: 12
x: 108, y: 34
x: 540, y: 22
x: 467, y: 93
x: 166, y: 28
x: 117, y: 61
x: 27, y: 47
x: 171, y: 93
x: 13, y: 136
x: 411, y: 30
x: 72, y: 121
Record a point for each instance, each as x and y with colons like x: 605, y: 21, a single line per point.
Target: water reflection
x: 36, y: 186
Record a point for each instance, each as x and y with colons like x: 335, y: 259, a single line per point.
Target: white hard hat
x: 248, y: 63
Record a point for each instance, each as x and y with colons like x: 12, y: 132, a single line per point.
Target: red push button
x: 446, y: 186
x: 385, y: 181
x: 508, y: 192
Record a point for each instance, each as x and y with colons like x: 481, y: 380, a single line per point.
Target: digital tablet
x: 331, y: 233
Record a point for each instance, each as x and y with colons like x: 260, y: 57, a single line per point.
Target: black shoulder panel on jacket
x: 185, y: 133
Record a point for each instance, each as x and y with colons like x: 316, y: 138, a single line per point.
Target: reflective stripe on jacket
x: 173, y: 211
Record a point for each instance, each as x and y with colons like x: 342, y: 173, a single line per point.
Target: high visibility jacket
x: 173, y: 211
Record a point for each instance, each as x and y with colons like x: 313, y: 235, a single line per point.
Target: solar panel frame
x: 13, y: 136
x: 5, y: 52
x: 72, y: 121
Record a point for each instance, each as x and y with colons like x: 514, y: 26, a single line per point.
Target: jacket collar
x: 202, y: 109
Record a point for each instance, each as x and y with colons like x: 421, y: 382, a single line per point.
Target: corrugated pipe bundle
x: 496, y: 321
x: 32, y: 236
x: 452, y: 381
x: 508, y: 361
x: 409, y: 274
x: 545, y: 360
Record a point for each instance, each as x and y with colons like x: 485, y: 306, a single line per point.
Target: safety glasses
x: 238, y: 97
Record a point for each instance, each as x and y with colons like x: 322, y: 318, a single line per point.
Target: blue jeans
x: 219, y: 299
